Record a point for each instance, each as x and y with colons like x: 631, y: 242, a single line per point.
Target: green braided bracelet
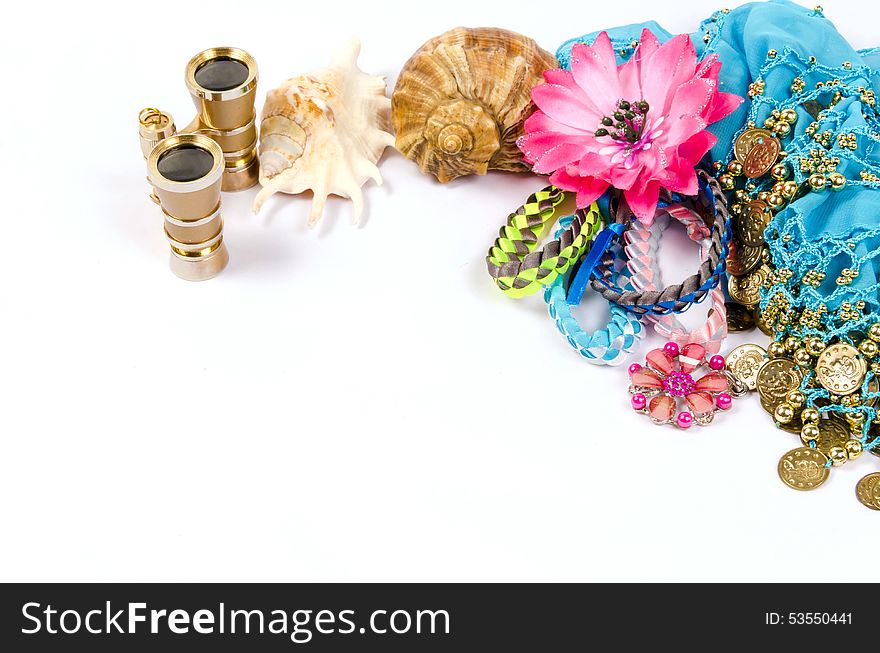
x: 517, y: 268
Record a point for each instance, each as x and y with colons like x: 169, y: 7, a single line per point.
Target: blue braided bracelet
x: 608, y: 346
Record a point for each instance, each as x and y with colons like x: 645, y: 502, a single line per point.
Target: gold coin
x: 841, y: 369
x: 746, y: 141
x: 832, y: 433
x: 750, y: 225
x: 793, y: 426
x: 776, y: 379
x: 836, y: 416
x: 747, y: 290
x: 803, y: 468
x: 762, y: 325
x: 770, y: 406
x: 761, y: 158
x: 739, y: 318
x: 868, y: 491
x: 744, y: 363
x: 742, y: 259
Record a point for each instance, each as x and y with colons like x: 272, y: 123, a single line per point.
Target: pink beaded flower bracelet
x: 668, y: 377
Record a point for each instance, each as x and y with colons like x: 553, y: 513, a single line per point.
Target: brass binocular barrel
x: 223, y: 86
x: 186, y: 172
x: 216, y: 151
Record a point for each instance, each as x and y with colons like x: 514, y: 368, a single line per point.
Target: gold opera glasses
x: 216, y: 151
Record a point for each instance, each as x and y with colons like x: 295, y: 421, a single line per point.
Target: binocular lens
x: 221, y: 74
x: 185, y: 163
x: 186, y: 171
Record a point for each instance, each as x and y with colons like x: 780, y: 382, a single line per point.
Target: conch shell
x: 461, y: 100
x: 325, y: 132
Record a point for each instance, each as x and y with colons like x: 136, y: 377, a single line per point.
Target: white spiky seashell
x: 325, y: 132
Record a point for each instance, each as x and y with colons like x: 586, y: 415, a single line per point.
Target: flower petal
x: 691, y: 355
x: 559, y: 76
x: 588, y: 189
x: 593, y: 165
x: 590, y: 193
x: 595, y: 70
x: 691, y: 98
x: 646, y: 378
x: 643, y: 201
x: 562, y: 104
x: 715, y: 382
x: 628, y: 74
x: 604, y: 51
x: 622, y: 177
x: 661, y: 408
x: 723, y: 105
x: 692, y: 150
x: 541, y: 122
x: 564, y: 78
x: 709, y: 67
x: 681, y: 129
x: 681, y: 177
x: 648, y: 44
x: 668, y: 68
x: 660, y: 361
x: 558, y: 156
x: 534, y: 144
x: 701, y: 403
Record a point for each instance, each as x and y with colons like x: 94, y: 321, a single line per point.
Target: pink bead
x: 639, y: 401
x: 717, y: 362
x: 671, y: 348
x: 724, y: 401
x: 635, y: 367
x: 684, y: 420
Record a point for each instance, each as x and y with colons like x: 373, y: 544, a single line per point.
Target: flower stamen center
x: 627, y: 123
x: 679, y: 384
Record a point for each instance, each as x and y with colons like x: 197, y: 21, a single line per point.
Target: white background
x: 341, y: 403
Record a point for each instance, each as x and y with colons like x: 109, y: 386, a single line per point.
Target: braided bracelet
x: 641, y: 253
x: 608, y: 346
x: 514, y: 263
x: 709, y: 203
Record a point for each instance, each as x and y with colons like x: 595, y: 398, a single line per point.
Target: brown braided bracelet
x: 711, y: 204
x: 514, y: 263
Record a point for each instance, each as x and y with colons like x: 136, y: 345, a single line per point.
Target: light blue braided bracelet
x: 608, y: 346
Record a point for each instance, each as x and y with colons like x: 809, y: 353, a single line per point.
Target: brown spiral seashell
x: 461, y: 100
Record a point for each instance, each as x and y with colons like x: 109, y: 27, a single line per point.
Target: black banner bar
x: 428, y: 617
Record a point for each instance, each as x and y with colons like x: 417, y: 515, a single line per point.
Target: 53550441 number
x: 808, y: 618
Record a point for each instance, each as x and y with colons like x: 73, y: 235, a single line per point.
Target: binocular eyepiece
x: 223, y: 86
x: 186, y: 172
x: 216, y: 151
